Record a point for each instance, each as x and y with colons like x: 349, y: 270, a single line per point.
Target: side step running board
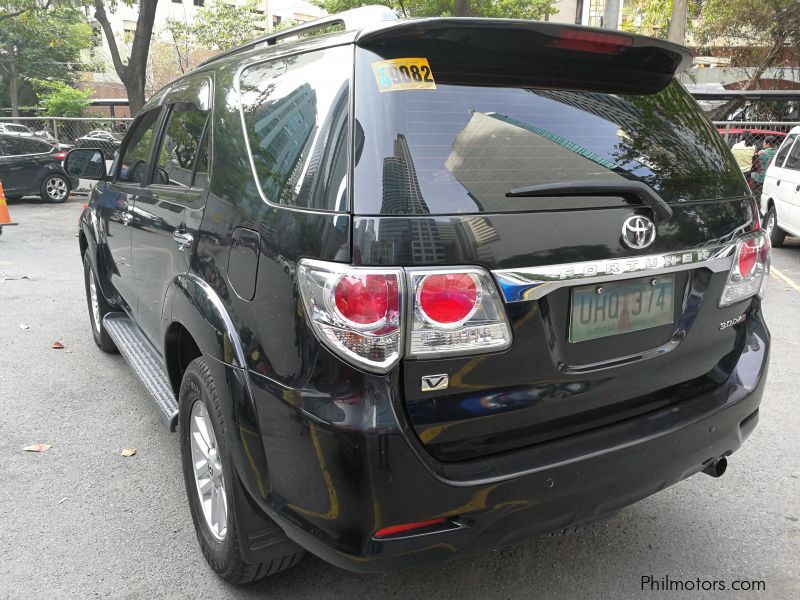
x: 145, y: 361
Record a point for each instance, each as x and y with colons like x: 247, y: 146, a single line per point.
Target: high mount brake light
x: 357, y: 312
x: 748, y: 274
x: 591, y: 41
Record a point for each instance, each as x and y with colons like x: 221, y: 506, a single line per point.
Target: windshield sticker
x: 403, y: 74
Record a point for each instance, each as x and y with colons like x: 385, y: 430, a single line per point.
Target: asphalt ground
x: 80, y: 521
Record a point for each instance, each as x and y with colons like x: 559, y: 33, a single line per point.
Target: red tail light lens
x: 591, y: 41
x: 407, y: 528
x: 448, y: 298
x: 60, y: 155
x: 366, y: 299
x: 747, y: 258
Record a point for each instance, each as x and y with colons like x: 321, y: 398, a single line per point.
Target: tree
x: 40, y: 41
x: 62, y: 100
x: 758, y: 30
x: 677, y: 22
x: 217, y: 26
x: 512, y: 9
x: 133, y: 74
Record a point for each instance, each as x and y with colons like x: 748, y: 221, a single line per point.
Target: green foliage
x: 751, y: 22
x: 218, y: 26
x: 512, y: 9
x: 60, y: 99
x: 45, y: 43
x: 647, y: 17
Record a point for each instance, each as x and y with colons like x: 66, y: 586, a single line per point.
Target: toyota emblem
x: 638, y: 232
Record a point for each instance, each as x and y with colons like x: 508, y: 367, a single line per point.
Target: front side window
x: 181, y: 142
x: 134, y: 167
x: 295, y: 113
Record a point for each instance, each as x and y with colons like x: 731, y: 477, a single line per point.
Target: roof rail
x: 350, y: 19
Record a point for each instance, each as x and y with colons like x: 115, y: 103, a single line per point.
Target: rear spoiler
x: 530, y: 53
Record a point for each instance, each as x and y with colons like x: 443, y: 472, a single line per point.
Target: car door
x: 130, y: 173
x: 789, y: 190
x: 23, y: 164
x: 170, y: 208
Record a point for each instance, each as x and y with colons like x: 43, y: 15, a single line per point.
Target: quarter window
x: 787, y: 145
x: 793, y: 160
x: 181, y: 142
x: 296, y: 122
x: 135, y: 166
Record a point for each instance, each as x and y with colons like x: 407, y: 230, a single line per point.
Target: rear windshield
x: 442, y: 148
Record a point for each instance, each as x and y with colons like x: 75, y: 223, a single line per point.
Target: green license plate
x: 605, y: 309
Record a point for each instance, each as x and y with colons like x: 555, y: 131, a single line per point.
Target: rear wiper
x: 639, y: 189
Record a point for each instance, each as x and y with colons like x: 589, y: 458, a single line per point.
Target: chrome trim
x: 532, y: 283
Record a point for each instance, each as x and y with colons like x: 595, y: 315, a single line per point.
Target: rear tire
x: 775, y: 233
x: 98, y: 308
x: 210, y: 486
x: 55, y: 188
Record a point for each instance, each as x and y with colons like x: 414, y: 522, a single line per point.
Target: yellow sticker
x: 403, y: 74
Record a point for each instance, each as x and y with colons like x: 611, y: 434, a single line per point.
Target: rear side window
x: 460, y: 146
x: 295, y: 114
x: 179, y: 149
x: 21, y: 146
x: 784, y: 150
x: 134, y: 166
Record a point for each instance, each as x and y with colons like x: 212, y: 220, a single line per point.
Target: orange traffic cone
x: 5, y: 217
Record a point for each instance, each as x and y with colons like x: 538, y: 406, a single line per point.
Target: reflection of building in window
x: 282, y: 131
x: 403, y: 196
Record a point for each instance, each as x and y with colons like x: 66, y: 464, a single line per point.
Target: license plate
x: 619, y: 307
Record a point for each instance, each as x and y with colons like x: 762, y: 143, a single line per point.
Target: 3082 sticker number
x: 403, y: 74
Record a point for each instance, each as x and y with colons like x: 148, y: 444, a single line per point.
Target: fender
x: 194, y: 304
x: 99, y: 255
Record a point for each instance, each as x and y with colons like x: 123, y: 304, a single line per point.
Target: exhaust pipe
x: 717, y: 467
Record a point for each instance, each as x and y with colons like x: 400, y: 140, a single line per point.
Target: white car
x: 780, y: 196
x: 15, y: 129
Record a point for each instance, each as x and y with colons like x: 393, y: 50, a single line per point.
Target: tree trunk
x: 611, y: 14
x: 462, y: 9
x: 132, y: 75
x: 677, y: 23
x: 13, y: 81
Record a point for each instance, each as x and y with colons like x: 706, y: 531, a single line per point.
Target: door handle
x: 183, y: 239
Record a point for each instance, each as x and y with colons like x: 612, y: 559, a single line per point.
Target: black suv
x: 413, y: 289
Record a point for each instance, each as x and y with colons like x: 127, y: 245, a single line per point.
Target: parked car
x: 780, y: 196
x: 44, y: 134
x: 101, y: 139
x: 15, y: 129
x: 402, y: 310
x: 29, y: 166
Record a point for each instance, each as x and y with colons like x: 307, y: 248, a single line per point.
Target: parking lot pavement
x: 80, y: 521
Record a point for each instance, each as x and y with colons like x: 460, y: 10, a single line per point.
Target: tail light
x: 455, y: 311
x: 749, y: 272
x: 60, y: 155
x: 354, y: 311
x: 358, y: 312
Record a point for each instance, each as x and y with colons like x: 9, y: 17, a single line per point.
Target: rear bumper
x: 334, y: 470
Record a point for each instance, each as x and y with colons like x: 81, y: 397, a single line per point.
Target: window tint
x: 460, y: 147
x: 793, y: 160
x: 787, y: 145
x: 201, y: 169
x: 134, y: 167
x: 181, y: 141
x: 21, y: 145
x: 296, y: 121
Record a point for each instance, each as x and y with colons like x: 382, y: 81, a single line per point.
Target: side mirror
x: 85, y: 163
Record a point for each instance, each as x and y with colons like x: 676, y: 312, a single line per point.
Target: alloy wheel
x: 208, y: 472
x: 56, y: 188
